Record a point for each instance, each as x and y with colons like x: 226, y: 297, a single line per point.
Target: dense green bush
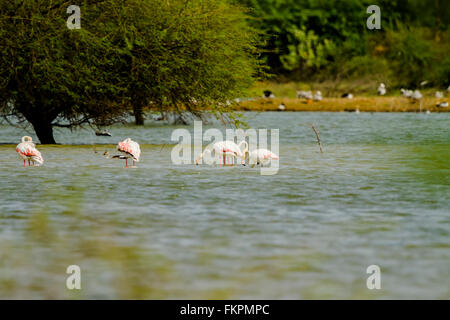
x: 318, y: 40
x: 178, y: 54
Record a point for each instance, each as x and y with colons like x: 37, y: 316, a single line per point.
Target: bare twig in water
x: 318, y: 137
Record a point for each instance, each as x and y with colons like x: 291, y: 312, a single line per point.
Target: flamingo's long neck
x: 243, y: 153
x: 202, y: 155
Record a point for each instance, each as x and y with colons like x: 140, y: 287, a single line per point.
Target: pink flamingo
x: 131, y: 149
x: 261, y: 156
x: 27, y: 151
x: 227, y: 149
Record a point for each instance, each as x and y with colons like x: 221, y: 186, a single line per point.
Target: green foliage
x: 410, y: 54
x: 49, y: 73
x: 413, y: 55
x: 186, y: 54
x: 306, y: 51
x: 178, y: 55
x: 322, y: 39
x: 364, y: 65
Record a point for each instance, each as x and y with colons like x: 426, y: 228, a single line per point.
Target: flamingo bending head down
x: 227, y: 149
x: 131, y: 149
x: 261, y: 157
x: 27, y: 151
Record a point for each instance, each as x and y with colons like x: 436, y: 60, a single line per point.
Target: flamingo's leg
x: 224, y: 160
x: 133, y: 163
x: 24, y: 163
x: 29, y: 162
x: 126, y: 162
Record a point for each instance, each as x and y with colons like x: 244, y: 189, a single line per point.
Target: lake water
x: 378, y: 195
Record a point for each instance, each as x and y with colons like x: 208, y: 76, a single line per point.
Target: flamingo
x: 27, y: 151
x: 227, y: 149
x: 131, y: 149
x: 261, y: 156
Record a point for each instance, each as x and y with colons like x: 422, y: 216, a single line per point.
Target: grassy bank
x: 365, y: 99
x: 363, y: 104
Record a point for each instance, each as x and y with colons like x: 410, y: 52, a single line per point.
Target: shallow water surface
x: 379, y: 194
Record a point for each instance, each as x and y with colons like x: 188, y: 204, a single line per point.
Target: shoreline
x: 363, y: 104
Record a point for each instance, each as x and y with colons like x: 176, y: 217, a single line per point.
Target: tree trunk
x: 138, y: 115
x: 44, y: 132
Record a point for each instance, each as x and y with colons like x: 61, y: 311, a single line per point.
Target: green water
x: 379, y: 194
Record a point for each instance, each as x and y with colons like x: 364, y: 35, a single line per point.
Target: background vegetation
x: 318, y: 40
x: 174, y: 55
x: 192, y: 55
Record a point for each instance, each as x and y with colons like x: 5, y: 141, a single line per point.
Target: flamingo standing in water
x: 227, y: 149
x: 261, y: 156
x: 131, y: 149
x: 27, y: 151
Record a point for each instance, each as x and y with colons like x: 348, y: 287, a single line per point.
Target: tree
x: 180, y: 55
x: 184, y: 55
x: 52, y: 76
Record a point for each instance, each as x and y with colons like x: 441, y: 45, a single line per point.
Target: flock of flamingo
x: 225, y: 153
x: 228, y: 151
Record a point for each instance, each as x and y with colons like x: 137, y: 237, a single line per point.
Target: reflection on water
x: 378, y: 195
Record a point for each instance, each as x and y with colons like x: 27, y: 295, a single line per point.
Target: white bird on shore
x: 347, y: 96
x: 281, y: 107
x: 261, y: 157
x: 442, y: 104
x: 406, y: 93
x: 304, y: 95
x: 27, y: 151
x: 226, y: 150
x: 439, y: 95
x: 416, y: 95
x: 130, y: 149
x: 381, y: 89
x: 268, y: 94
x: 317, y: 96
